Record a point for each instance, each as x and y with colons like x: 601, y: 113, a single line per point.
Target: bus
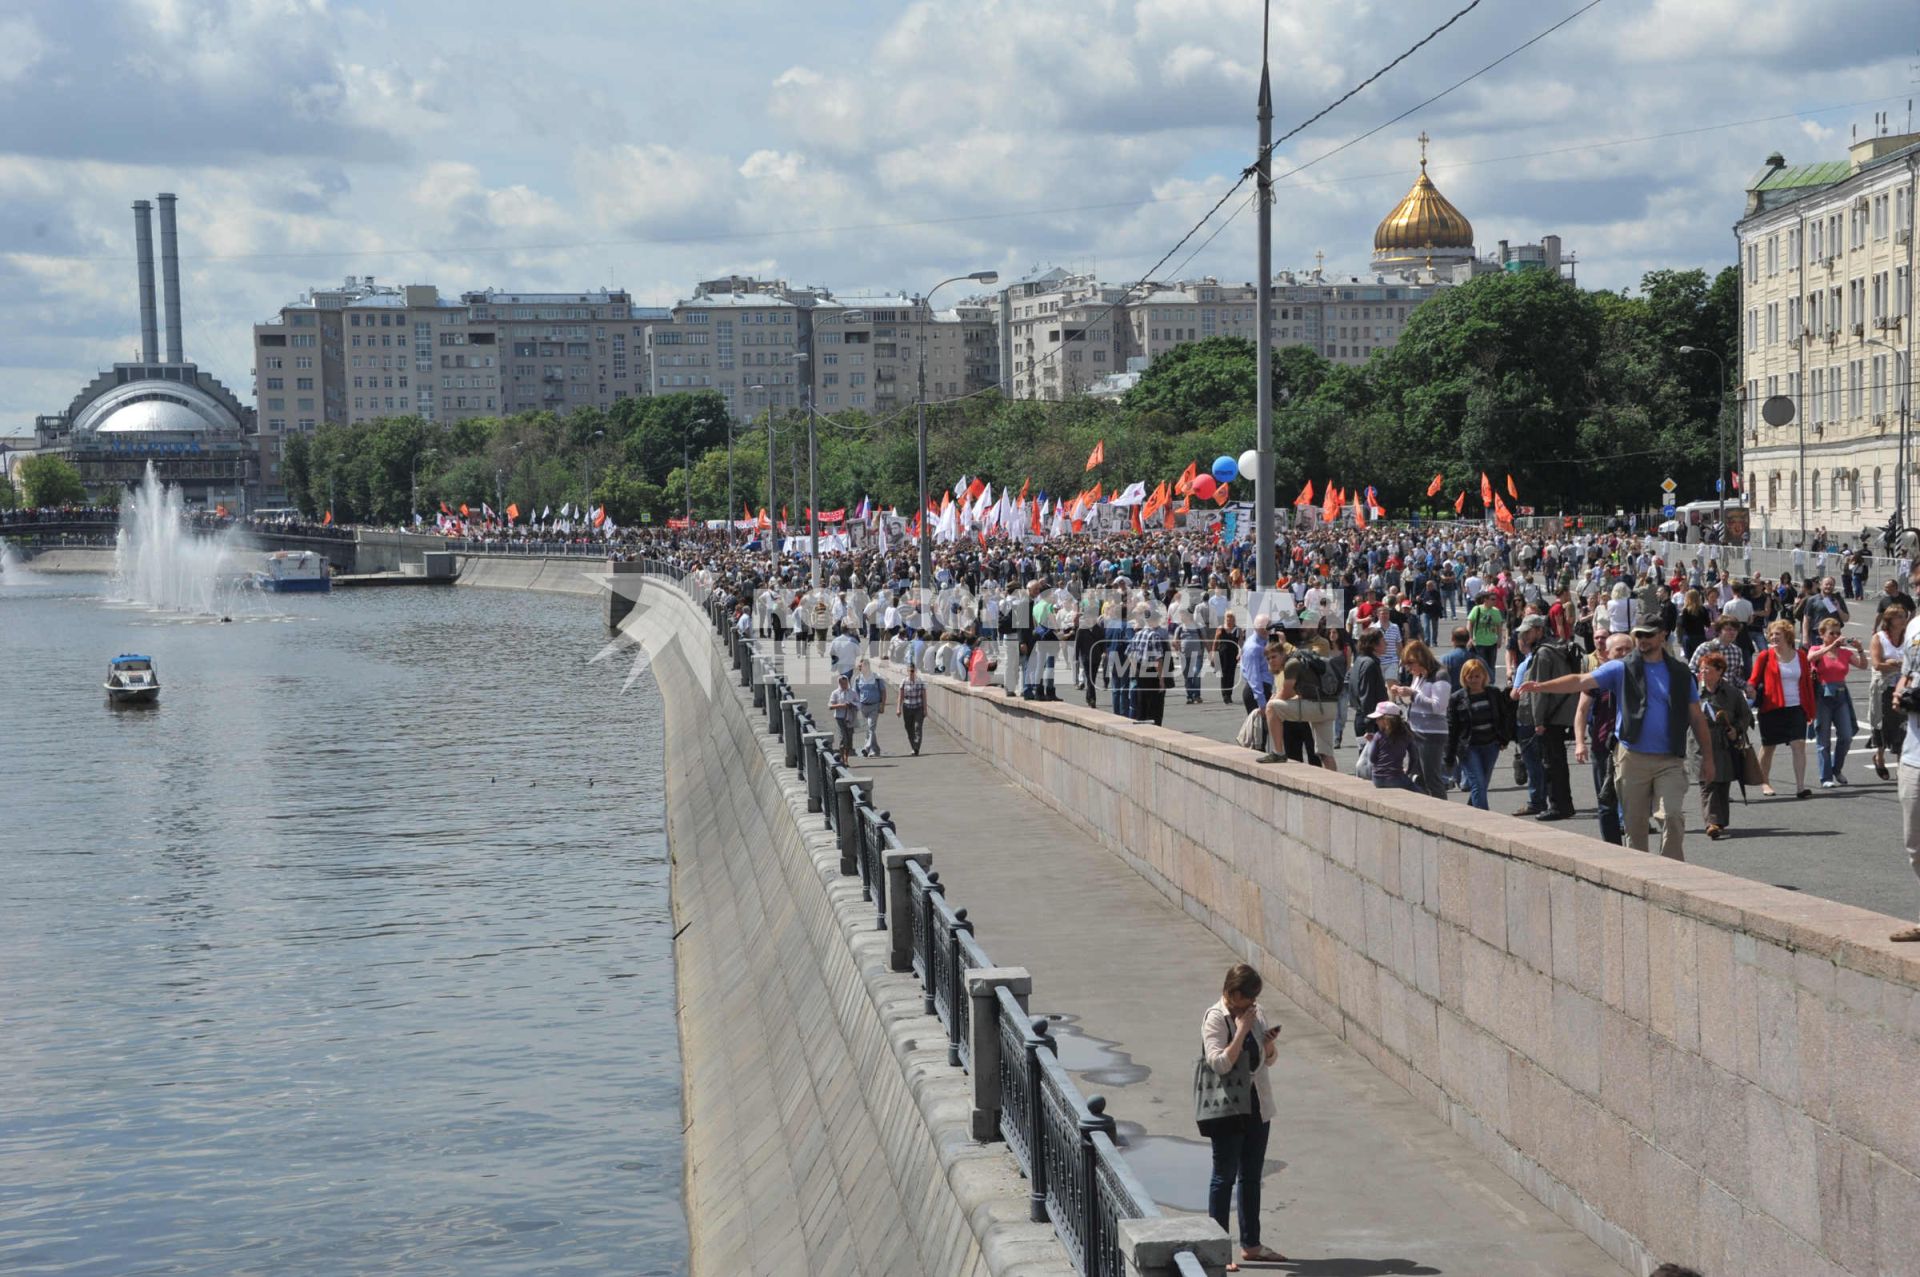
x: 1693, y: 521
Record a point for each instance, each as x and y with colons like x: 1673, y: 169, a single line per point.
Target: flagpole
x: 1263, y: 323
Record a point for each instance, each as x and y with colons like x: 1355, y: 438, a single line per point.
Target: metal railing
x: 1063, y: 1143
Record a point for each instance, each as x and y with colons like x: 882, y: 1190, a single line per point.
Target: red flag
x: 328, y: 520
x: 1306, y: 495
x: 1511, y: 490
x: 463, y: 510
x: 1736, y: 481
x: 1098, y: 454
x: 1460, y: 502
x: 1433, y: 489
x: 975, y: 488
x: 1185, y: 483
x: 1136, y: 520
x: 443, y: 508
x: 1486, y: 489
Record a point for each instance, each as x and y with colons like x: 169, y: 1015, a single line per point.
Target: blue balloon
x: 1225, y: 470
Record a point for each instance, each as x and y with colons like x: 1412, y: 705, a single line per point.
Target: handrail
x: 1065, y: 1144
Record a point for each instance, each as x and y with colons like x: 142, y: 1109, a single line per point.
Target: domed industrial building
x: 167, y: 412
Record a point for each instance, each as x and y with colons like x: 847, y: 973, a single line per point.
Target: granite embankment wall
x: 73, y: 560
x: 553, y: 576
x: 1686, y: 1065
x: 825, y: 1131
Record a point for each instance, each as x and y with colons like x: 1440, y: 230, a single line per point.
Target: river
x: 351, y: 956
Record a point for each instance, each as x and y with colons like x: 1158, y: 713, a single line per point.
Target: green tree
x: 50, y: 481
x: 9, y: 495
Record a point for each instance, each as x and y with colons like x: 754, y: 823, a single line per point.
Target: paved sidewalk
x: 1361, y: 1181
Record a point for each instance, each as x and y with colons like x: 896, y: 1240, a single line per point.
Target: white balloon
x: 1250, y: 464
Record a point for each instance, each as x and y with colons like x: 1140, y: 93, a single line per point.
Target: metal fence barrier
x: 1063, y: 1143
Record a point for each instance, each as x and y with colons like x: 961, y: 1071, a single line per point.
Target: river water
x: 351, y: 956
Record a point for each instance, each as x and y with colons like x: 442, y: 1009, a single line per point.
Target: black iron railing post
x: 1036, y: 1041
x: 790, y: 729
x: 1094, y: 1119
x: 957, y: 977
x: 815, y: 745
x: 846, y: 823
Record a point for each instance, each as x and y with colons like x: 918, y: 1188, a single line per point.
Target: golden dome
x: 1424, y: 219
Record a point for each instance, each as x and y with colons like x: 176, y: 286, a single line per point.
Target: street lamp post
x: 805, y: 357
x: 1719, y: 428
x: 586, y: 468
x: 920, y: 430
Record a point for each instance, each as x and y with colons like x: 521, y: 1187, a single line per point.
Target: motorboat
x: 293, y: 572
x: 132, y: 680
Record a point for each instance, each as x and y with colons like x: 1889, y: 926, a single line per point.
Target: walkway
x: 1362, y: 1181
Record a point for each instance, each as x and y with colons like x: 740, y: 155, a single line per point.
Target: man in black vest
x: 1657, y: 704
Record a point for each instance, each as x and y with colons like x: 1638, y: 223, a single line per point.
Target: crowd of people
x: 1440, y: 651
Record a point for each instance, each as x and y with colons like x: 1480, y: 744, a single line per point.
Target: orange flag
x: 463, y: 509
x: 328, y: 520
x: 1098, y: 454
x: 1359, y: 514
x: 1220, y: 495
x: 1094, y: 495
x: 1306, y: 495
x: 1023, y: 488
x: 513, y: 511
x: 1186, y: 506
x: 1486, y: 489
x: 1330, y: 508
x: 1154, y: 502
x: 1460, y: 502
x: 1433, y: 489
x: 1511, y: 490
x: 1187, y: 476
x: 1502, y: 515
x: 1136, y: 520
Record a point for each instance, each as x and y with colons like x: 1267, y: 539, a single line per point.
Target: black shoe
x: 1547, y: 816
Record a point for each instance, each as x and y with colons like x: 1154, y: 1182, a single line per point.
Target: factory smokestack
x: 170, y: 276
x: 143, y: 248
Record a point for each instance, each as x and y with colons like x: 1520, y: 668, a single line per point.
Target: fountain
x: 160, y: 562
x: 14, y: 570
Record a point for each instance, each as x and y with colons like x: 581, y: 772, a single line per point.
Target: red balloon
x: 1203, y: 487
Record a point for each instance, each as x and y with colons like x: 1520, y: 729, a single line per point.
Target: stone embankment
x: 1685, y: 1065
x: 826, y: 1132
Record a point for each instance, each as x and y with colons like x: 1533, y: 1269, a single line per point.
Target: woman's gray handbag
x: 1225, y: 1102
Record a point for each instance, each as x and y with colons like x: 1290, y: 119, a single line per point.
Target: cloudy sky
x: 862, y: 145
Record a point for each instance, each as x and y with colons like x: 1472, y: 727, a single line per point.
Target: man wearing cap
x: 1550, y: 715
x: 1656, y: 703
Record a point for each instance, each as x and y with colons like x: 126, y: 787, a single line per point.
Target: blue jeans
x: 1476, y: 769
x: 1241, y: 1156
x: 1526, y: 737
x: 1836, y: 725
x: 1122, y: 687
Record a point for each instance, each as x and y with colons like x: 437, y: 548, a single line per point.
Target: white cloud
x: 21, y: 47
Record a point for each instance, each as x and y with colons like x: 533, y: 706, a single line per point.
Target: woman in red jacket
x: 1787, y: 700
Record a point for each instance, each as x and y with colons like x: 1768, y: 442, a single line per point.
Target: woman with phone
x: 1833, y: 658
x: 1236, y: 1038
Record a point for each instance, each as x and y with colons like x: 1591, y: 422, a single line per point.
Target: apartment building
x: 764, y: 344
x: 1826, y: 285
x: 366, y: 350
x: 1059, y: 333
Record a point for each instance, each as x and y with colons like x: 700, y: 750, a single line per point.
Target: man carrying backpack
x: 1309, y: 693
x: 1551, y: 714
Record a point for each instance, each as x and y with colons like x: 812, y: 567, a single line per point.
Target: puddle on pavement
x: 1175, y: 1170
x: 1095, y: 1060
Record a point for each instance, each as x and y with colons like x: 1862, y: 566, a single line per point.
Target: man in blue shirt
x: 1656, y: 704
x: 1255, y: 678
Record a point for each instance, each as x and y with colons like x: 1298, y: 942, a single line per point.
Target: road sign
x: 1667, y: 510
x: 1668, y: 485
x: 1719, y: 485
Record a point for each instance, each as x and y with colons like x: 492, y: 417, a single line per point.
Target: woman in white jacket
x: 1234, y: 1027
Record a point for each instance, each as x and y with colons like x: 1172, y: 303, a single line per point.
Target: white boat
x: 132, y: 680
x: 293, y: 572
